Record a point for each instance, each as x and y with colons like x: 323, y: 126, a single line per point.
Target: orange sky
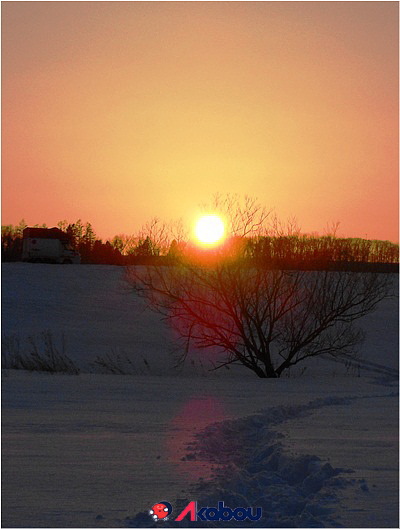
x: 115, y: 112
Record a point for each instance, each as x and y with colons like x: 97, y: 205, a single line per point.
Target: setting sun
x: 209, y: 229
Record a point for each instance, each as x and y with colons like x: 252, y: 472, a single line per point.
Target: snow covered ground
x: 97, y: 450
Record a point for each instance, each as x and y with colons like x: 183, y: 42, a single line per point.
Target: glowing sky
x: 115, y: 112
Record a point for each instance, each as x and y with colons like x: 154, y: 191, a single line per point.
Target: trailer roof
x: 44, y: 233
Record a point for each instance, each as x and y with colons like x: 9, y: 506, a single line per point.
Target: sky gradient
x: 116, y: 112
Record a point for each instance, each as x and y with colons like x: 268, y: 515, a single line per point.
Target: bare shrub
x: 39, y: 353
x: 119, y: 364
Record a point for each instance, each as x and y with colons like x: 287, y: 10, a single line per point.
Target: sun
x: 209, y: 229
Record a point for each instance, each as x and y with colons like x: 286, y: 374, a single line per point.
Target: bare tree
x: 125, y: 244
x: 332, y: 229
x: 244, y: 217
x: 264, y: 319
x: 155, y: 234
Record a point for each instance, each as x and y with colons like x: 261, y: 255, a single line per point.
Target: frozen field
x: 95, y: 450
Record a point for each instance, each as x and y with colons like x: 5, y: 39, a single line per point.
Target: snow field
x: 98, y: 315
x: 97, y: 450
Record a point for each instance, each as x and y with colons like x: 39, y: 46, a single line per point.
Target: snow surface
x: 99, y: 450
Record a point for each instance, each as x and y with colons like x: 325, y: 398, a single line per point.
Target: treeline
x: 120, y: 250
x: 153, y: 245
x: 322, y: 249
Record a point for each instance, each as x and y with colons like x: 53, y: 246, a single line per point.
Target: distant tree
x: 176, y: 250
x: 19, y: 229
x: 264, y: 319
x: 105, y: 253
x: 75, y: 232
x: 146, y: 248
x: 117, y: 242
x: 87, y: 239
x: 125, y: 244
x: 153, y: 238
x: 62, y: 225
x: 332, y: 228
x: 11, y: 241
x: 88, y: 235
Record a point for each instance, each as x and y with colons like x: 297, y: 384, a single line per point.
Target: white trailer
x: 43, y: 245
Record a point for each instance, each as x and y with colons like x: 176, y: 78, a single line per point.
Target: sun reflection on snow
x: 196, y: 414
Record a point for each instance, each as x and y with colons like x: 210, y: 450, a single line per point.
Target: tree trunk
x: 259, y: 372
x: 268, y: 373
x: 269, y: 368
